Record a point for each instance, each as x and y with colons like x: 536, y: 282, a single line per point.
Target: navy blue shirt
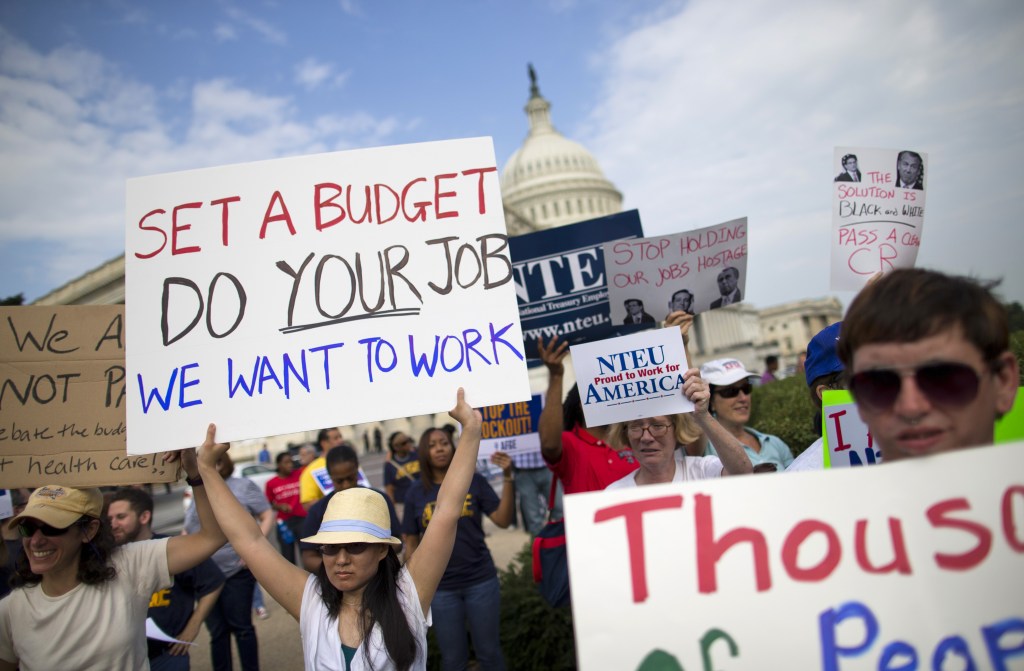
x: 401, y: 472
x: 171, y: 608
x: 315, y: 515
x: 471, y: 562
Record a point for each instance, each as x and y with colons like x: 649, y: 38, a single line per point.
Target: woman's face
x: 653, y: 440
x: 347, y: 571
x: 401, y: 445
x: 440, y: 449
x: 735, y: 410
x: 48, y: 554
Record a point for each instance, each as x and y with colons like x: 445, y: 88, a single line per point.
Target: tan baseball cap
x: 60, y: 506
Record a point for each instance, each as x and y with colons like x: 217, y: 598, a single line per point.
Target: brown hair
x: 911, y: 304
x: 684, y: 427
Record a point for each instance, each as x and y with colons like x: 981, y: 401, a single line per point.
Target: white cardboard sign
x: 855, y: 568
x: 877, y: 213
x: 632, y: 376
x: 848, y: 441
x: 316, y: 291
x: 695, y: 271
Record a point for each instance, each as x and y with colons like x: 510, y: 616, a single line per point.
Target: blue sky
x: 698, y: 111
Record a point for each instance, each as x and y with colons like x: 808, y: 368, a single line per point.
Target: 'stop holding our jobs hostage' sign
x: 632, y: 376
x: 317, y: 291
x: 873, y: 568
x: 693, y: 272
x: 560, y: 279
x: 877, y: 212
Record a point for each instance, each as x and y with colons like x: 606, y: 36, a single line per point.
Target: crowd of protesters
x: 367, y: 572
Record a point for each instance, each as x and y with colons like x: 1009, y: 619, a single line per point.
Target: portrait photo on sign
x: 695, y: 271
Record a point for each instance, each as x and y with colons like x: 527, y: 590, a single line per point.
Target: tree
x: 16, y: 299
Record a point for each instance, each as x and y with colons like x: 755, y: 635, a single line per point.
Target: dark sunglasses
x: 734, y: 391
x: 350, y: 548
x: 944, y: 384
x: 28, y: 528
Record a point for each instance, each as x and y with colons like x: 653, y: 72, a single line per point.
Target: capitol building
x: 551, y: 181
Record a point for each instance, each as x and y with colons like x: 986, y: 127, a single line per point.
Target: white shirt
x: 687, y: 468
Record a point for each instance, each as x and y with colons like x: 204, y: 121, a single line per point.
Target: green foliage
x: 533, y: 634
x: 16, y: 299
x: 1017, y: 347
x: 784, y: 409
x: 1015, y: 315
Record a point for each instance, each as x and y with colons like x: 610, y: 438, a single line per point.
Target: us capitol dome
x: 551, y: 180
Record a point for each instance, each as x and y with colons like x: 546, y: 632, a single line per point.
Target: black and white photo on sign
x: 695, y: 271
x: 878, y: 218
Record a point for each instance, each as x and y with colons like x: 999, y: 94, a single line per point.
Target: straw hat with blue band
x: 356, y: 515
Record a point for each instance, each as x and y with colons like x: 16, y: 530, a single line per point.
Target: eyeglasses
x: 350, y: 548
x: 656, y: 430
x: 944, y: 384
x: 28, y: 528
x: 734, y: 391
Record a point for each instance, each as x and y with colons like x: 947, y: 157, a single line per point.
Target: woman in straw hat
x: 362, y: 609
x: 79, y: 602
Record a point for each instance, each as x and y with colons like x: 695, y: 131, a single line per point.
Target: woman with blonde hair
x: 660, y: 444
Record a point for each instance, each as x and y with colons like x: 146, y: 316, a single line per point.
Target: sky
x: 699, y: 112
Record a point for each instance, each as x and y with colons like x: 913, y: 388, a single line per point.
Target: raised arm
x: 550, y: 423
x: 185, y: 552
x: 280, y: 577
x: 734, y: 459
x: 505, y: 513
x: 427, y: 564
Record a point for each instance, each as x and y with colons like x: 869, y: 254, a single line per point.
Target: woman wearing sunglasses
x: 362, y: 609
x: 660, y: 444
x: 79, y: 602
x: 730, y: 404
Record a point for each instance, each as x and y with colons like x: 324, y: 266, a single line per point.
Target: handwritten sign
x: 877, y: 213
x: 316, y: 291
x: 560, y: 278
x: 694, y: 272
x: 919, y: 570
x: 632, y: 376
x: 511, y: 428
x: 847, y: 439
x: 62, y: 399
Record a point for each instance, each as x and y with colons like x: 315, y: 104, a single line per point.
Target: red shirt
x: 286, y: 490
x: 589, y: 464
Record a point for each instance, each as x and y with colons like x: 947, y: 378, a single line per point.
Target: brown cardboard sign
x: 62, y: 399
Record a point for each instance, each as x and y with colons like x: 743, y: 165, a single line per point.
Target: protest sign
x: 877, y: 213
x: 511, y: 428
x: 631, y: 376
x: 62, y: 410
x: 6, y: 504
x: 847, y: 439
x: 694, y: 272
x: 869, y: 568
x: 315, y: 291
x: 560, y: 280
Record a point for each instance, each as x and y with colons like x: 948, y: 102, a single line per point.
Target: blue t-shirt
x: 401, y: 472
x: 471, y: 561
x: 773, y: 450
x: 315, y: 515
x: 171, y: 608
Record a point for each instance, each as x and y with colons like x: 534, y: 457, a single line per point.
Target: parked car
x: 253, y: 470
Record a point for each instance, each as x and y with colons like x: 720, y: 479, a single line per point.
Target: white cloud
x: 265, y: 29
x: 721, y: 111
x: 72, y: 130
x: 313, y: 74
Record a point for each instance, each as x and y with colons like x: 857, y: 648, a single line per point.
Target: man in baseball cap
x: 822, y: 370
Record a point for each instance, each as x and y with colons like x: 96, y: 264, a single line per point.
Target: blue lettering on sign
x: 455, y: 351
x: 264, y: 374
x: 164, y: 399
x: 1002, y: 642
